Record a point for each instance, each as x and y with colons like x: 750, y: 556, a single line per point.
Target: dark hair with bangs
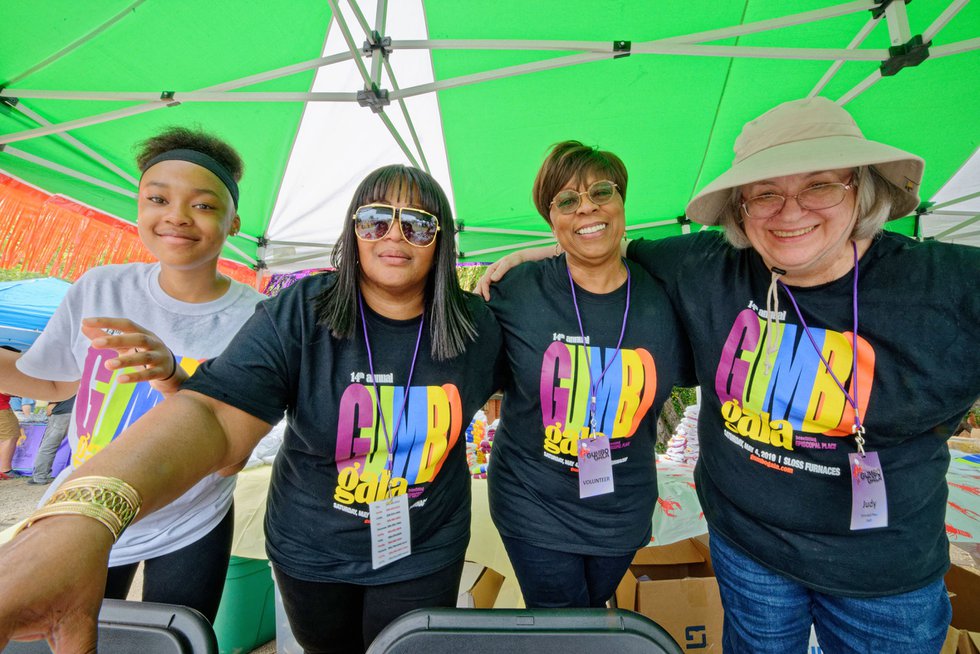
x: 572, y: 161
x: 450, y: 323
x: 184, y: 138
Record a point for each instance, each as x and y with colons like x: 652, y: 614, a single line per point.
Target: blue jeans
x: 767, y: 613
x: 54, y: 433
x: 551, y: 579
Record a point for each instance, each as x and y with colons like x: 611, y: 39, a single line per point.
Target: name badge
x: 595, y: 476
x: 869, y: 504
x: 391, y: 531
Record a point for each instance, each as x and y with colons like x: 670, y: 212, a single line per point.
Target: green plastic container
x: 247, y: 613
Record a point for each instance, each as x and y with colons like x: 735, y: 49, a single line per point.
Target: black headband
x: 202, y: 160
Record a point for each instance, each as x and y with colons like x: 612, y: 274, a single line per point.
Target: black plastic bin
x: 142, y: 628
x: 515, y: 631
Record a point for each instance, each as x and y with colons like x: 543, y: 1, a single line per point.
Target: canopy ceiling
x: 476, y: 92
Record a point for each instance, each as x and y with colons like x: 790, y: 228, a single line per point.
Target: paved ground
x: 18, y: 499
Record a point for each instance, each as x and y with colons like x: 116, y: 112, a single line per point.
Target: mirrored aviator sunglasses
x: 372, y: 222
x: 568, y: 201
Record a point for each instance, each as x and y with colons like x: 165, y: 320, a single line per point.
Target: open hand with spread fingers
x: 141, y: 352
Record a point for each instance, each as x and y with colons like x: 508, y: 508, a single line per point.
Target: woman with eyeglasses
x: 594, y: 349
x: 378, y: 368
x: 827, y: 351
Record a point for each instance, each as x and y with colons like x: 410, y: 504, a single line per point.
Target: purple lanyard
x: 594, y: 387
x: 393, y: 440
x: 858, y: 428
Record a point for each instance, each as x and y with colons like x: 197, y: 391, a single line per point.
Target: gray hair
x: 875, y: 198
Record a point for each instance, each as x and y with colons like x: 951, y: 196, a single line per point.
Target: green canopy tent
x: 315, y: 93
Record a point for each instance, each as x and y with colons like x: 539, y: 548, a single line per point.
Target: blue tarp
x: 25, y: 308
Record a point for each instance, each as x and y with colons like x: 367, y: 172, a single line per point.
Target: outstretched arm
x: 58, y: 564
x: 496, y: 271
x: 14, y: 382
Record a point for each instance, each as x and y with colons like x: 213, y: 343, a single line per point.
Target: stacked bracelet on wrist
x: 111, y: 501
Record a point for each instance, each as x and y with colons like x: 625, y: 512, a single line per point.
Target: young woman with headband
x: 127, y: 335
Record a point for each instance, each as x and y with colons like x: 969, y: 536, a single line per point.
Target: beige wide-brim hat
x: 805, y: 136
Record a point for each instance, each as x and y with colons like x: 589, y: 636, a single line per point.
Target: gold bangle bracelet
x: 111, y: 501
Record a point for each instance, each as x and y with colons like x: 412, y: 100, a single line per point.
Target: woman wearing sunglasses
x: 378, y: 368
x: 823, y: 348
x: 594, y: 348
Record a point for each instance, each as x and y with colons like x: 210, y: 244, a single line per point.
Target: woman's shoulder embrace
x: 683, y: 258
x: 484, y: 320
x: 899, y: 244
x: 678, y: 249
x: 478, y: 308
x: 644, y: 283
x: 929, y: 257
x: 527, y: 272
x: 475, y: 303
x: 526, y: 280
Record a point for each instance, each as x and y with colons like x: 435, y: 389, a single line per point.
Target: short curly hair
x: 185, y: 138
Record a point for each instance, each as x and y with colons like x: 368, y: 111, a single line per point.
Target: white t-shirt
x: 104, y: 408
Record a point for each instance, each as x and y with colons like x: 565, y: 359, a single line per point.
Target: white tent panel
x: 964, y: 183
x: 339, y: 143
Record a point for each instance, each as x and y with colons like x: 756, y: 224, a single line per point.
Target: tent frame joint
x: 879, y: 9
x: 924, y: 208
x: 623, y: 48
x: 168, y: 98
x: 375, y: 98
x: 377, y: 43
x: 909, y: 54
x: 683, y: 220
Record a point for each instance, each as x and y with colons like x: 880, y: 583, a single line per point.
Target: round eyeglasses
x: 372, y: 222
x: 568, y: 201
x: 812, y: 198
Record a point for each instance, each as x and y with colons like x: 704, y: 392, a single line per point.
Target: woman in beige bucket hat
x: 826, y: 351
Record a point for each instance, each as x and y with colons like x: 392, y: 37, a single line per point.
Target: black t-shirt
x: 64, y: 407
x: 773, y: 476
x: 533, y: 476
x: 335, y: 449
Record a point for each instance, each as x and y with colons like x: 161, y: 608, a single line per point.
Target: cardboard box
x: 482, y: 585
x: 963, y: 584
x: 961, y: 642
x: 674, y: 586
